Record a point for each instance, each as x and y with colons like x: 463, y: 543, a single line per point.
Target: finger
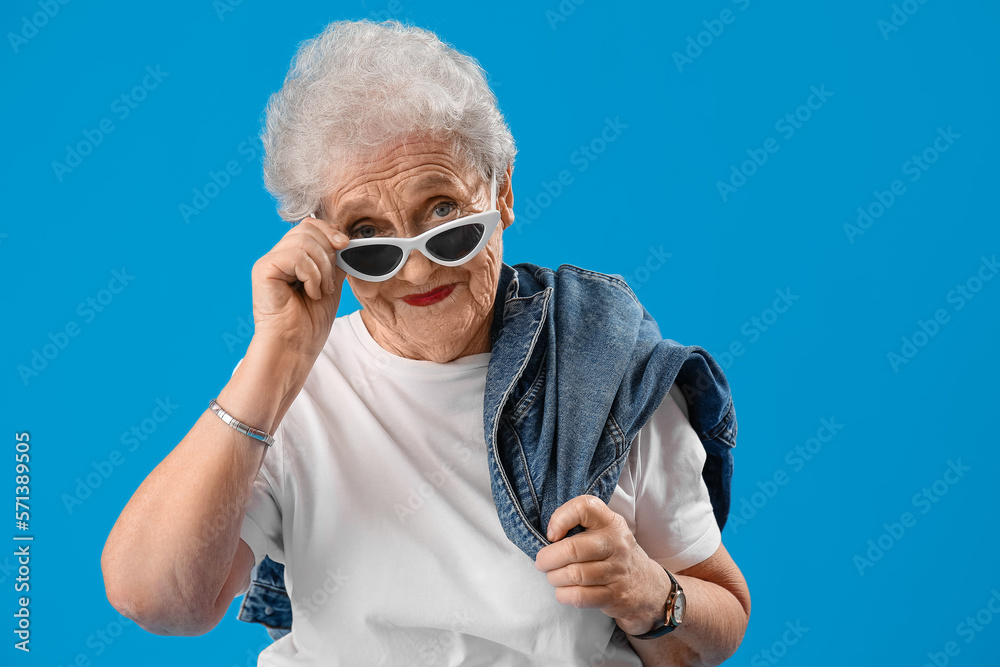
x: 585, y: 597
x: 580, y: 548
x: 593, y: 573
x: 291, y: 264
x: 309, y: 228
x: 332, y: 232
x: 586, y: 510
x: 309, y: 274
x: 327, y: 235
x: 317, y: 246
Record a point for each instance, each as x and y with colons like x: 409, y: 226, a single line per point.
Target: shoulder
x: 668, y: 441
x: 671, y: 513
x: 533, y: 278
x: 343, y: 367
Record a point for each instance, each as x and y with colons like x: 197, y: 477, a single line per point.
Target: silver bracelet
x: 254, y: 433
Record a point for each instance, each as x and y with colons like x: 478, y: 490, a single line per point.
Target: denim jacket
x: 577, y: 368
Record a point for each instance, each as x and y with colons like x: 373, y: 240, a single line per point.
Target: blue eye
x: 450, y: 206
x: 363, y: 232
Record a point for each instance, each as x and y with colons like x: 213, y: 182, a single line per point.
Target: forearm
x: 713, y: 627
x: 170, y: 552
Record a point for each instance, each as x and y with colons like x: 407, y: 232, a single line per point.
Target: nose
x: 417, y: 269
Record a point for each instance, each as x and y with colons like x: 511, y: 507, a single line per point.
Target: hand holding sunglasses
x: 450, y: 244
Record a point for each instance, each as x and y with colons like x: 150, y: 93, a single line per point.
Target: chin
x: 440, y: 325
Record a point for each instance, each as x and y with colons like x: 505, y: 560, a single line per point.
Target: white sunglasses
x: 450, y: 244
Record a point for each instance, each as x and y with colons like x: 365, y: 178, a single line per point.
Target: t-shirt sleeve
x: 261, y: 528
x: 662, y: 493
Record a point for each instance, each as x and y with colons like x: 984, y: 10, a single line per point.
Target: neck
x: 476, y: 342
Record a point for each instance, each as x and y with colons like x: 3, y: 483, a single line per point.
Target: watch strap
x: 669, y: 624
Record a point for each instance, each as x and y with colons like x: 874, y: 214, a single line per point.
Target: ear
x: 505, y: 200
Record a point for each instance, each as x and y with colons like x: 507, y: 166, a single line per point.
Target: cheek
x: 364, y: 291
x: 484, y: 276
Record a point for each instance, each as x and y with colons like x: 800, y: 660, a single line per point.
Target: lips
x: 427, y: 298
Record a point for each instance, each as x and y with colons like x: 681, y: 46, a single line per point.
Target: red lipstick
x: 427, y: 298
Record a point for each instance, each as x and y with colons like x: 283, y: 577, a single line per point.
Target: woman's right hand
x: 199, y: 493
x: 296, y: 288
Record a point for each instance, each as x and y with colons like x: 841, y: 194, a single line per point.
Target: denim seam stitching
x: 617, y: 434
x: 597, y: 277
x: 253, y: 615
x: 723, y: 425
x: 615, y: 463
x: 619, y: 444
x: 496, y: 424
x: 533, y: 393
x: 524, y: 465
x: 269, y: 587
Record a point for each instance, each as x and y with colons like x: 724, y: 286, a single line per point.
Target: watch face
x: 679, y: 606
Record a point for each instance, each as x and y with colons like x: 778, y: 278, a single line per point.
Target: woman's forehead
x: 409, y: 180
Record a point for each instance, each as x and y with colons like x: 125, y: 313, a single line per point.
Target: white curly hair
x: 359, y: 85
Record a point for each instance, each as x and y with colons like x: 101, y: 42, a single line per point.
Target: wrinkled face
x: 402, y: 191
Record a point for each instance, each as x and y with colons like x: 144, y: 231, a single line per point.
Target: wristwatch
x: 673, y: 611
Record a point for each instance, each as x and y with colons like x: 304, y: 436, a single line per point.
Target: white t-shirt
x: 376, y: 496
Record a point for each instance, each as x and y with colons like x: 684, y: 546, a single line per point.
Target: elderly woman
x: 485, y: 464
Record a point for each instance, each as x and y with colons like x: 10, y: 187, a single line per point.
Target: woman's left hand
x: 603, y: 566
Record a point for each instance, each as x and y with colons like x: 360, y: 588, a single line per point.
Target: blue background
x: 561, y: 73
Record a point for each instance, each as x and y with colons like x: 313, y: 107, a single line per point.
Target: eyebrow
x: 347, y: 213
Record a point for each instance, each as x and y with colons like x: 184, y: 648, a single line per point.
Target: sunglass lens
x: 373, y: 260
x: 456, y: 243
